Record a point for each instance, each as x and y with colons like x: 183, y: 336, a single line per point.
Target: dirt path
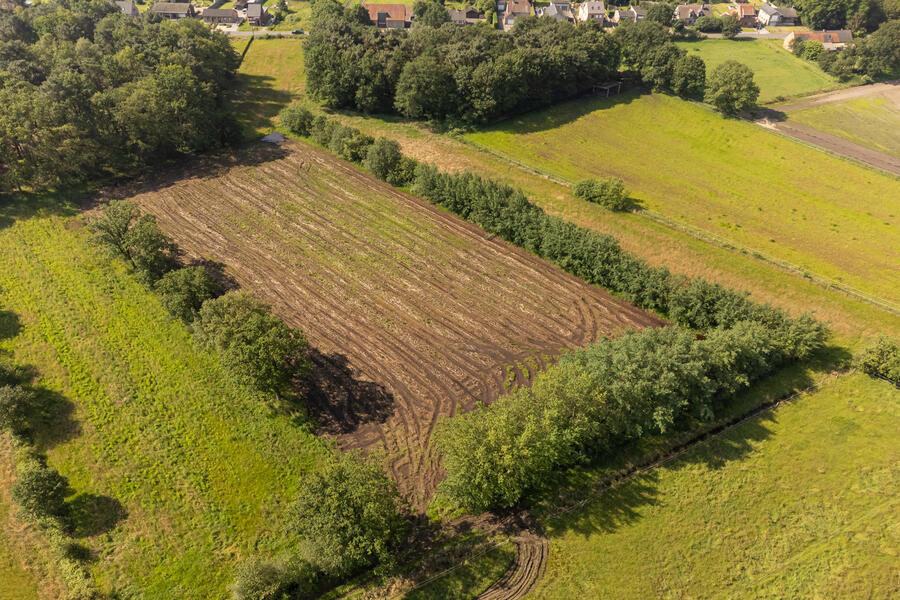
x: 835, y: 144
x: 531, y: 558
x: 414, y: 313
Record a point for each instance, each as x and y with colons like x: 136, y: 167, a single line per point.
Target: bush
x: 383, y: 158
x: 256, y: 347
x: 348, y: 515
x: 730, y: 26
x: 297, y: 119
x: 273, y: 580
x: 731, y: 88
x: 182, y: 292
x: 709, y: 24
x: 321, y: 130
x: 128, y: 234
x: 608, y: 192
x: 350, y: 143
x: 15, y: 405
x: 882, y: 360
x: 40, y: 490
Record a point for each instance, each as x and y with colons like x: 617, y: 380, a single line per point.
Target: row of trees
x: 594, y: 399
x: 256, y: 348
x: 88, y: 92
x: 857, y: 15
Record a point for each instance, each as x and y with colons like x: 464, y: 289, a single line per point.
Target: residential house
x: 559, y: 10
x: 830, y: 40
x: 745, y: 13
x: 128, y: 8
x: 514, y: 10
x: 777, y: 16
x: 689, y: 13
x: 390, y: 16
x: 592, y: 11
x: 468, y: 16
x: 221, y: 15
x: 257, y: 14
x: 632, y: 13
x: 174, y: 10
x: 240, y: 4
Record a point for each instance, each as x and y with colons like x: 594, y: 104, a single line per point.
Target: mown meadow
x: 777, y: 72
x: 180, y: 473
x: 796, y: 502
x: 870, y: 122
x: 728, y: 178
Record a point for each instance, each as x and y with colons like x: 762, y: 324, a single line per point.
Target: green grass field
x: 726, y: 177
x: 205, y: 471
x: 870, y: 122
x: 798, y: 503
x: 16, y: 583
x: 777, y: 72
x: 271, y: 76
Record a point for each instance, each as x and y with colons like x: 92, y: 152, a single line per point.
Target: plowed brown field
x: 414, y: 313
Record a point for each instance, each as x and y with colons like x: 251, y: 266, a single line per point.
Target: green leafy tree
x: 658, y: 69
x: 660, y: 12
x: 183, y: 291
x: 15, y: 405
x: 426, y: 88
x: 731, y: 88
x: 689, y: 77
x: 608, y: 192
x: 126, y: 233
x: 256, y: 347
x: 40, y: 490
x: 273, y: 580
x: 297, y: 119
x: 708, y: 24
x: 430, y: 13
x: 825, y: 14
x: 730, y: 26
x: 882, y: 359
x: 383, y: 158
x: 349, y: 516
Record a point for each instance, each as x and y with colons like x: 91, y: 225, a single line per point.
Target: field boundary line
x: 704, y: 236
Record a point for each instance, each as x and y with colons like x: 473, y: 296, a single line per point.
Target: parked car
x: 297, y: 32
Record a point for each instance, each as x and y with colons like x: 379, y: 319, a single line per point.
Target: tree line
x: 609, y: 392
x: 89, y: 92
x: 472, y: 75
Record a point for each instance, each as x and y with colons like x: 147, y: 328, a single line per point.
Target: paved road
x: 752, y: 35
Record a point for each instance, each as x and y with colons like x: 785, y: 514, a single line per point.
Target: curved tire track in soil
x: 531, y: 559
x: 414, y: 313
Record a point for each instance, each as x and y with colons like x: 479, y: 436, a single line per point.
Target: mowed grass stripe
x: 795, y: 503
x: 204, y: 470
x: 871, y: 122
x: 729, y: 178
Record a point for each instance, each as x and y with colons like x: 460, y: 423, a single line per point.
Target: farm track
x: 413, y: 313
x: 532, y: 551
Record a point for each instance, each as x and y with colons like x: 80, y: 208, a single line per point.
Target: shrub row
x: 594, y: 399
x: 256, y: 348
x: 882, y: 360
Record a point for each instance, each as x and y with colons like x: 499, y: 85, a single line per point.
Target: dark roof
x: 790, y: 13
x: 172, y: 7
x: 127, y: 7
x: 220, y: 12
x: 255, y: 10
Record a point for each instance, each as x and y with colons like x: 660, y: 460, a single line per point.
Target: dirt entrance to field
x: 414, y: 314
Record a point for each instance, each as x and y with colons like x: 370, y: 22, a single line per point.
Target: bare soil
x: 413, y: 313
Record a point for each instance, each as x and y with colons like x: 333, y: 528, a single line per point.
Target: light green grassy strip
x: 15, y: 582
x: 778, y: 73
x: 870, y: 122
x: 204, y: 469
x: 727, y: 177
x: 796, y: 503
x: 470, y: 578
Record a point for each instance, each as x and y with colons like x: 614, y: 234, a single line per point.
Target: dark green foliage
x: 708, y: 24
x: 809, y: 50
x: 608, y: 192
x: 348, y: 515
x: 182, y: 292
x: 497, y: 452
x: 661, y: 13
x: 322, y: 129
x: 470, y: 74
x: 136, y: 238
x: 730, y: 26
x: 256, y: 347
x: 689, y: 77
x: 15, y: 406
x: 731, y: 88
x: 88, y: 92
x: 40, y: 490
x: 297, y: 119
x: 882, y: 360
x: 273, y: 580
x: 658, y: 68
x: 430, y: 13
x: 350, y: 143
x: 383, y: 158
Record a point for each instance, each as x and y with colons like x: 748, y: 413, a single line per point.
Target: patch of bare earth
x: 414, y: 314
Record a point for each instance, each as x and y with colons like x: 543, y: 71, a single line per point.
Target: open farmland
x: 797, y: 503
x: 730, y: 179
x: 872, y: 121
x: 777, y: 72
x: 414, y: 313
x: 180, y: 472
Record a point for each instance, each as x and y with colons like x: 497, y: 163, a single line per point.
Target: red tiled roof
x: 395, y: 12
